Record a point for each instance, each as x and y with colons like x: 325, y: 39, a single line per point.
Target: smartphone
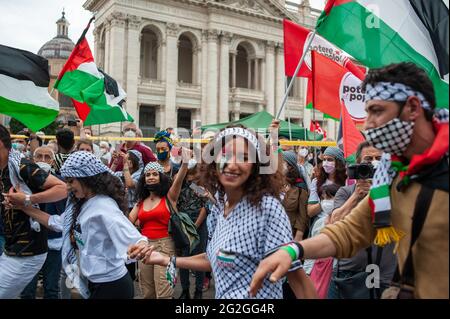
x: 200, y: 191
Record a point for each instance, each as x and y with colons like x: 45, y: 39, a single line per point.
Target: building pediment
x: 262, y: 8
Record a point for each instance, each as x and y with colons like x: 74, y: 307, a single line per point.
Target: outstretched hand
x: 277, y: 265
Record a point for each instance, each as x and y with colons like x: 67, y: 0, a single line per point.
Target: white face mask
x: 44, y: 166
x: 129, y: 134
x: 328, y: 167
x: 303, y: 152
x: 327, y: 205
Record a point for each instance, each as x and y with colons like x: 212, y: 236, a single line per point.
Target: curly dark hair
x: 100, y: 184
x: 340, y: 176
x: 142, y: 192
x: 256, y: 186
x: 292, y: 174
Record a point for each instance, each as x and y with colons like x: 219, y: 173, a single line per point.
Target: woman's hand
x: 186, y: 155
x: 138, y: 250
x: 153, y: 257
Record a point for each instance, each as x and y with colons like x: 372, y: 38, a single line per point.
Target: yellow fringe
x: 387, y: 235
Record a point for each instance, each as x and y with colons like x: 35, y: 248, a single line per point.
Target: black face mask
x: 152, y: 187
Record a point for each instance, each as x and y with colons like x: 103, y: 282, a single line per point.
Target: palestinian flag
x: 24, y: 80
x: 333, y: 84
x: 349, y: 137
x: 97, y: 97
x: 296, y: 39
x: 381, y: 32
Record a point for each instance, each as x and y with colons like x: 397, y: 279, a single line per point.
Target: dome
x: 60, y: 46
x: 57, y: 48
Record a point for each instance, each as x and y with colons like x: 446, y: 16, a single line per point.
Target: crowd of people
x: 271, y: 221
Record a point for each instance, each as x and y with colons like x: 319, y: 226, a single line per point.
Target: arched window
x: 185, y: 59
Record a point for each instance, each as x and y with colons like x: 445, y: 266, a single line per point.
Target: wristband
x: 301, y: 250
x: 291, y: 251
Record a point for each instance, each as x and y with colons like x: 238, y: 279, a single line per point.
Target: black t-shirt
x: 20, y: 238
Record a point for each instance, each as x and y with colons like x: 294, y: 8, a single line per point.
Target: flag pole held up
x: 297, y: 69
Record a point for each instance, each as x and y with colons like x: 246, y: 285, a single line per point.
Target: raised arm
x: 175, y: 189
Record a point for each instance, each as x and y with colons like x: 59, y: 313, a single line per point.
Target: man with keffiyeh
x: 408, y: 202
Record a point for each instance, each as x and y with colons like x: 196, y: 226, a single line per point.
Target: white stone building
x: 185, y: 61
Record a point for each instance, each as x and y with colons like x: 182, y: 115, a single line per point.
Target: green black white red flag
x: 381, y: 32
x: 24, y: 80
x: 97, y: 97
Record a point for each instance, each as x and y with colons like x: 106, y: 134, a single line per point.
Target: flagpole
x: 289, y: 116
x: 297, y: 69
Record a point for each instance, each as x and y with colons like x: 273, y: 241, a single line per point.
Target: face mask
x: 329, y: 167
x: 303, y: 152
x: 163, y: 155
x: 18, y: 147
x: 129, y: 134
x: 152, y: 187
x: 327, y: 205
x: 44, y: 166
x: 393, y: 137
x: 103, y: 151
x: 375, y: 164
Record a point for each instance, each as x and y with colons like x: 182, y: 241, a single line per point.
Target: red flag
x: 351, y: 136
x: 333, y: 83
x: 297, y: 37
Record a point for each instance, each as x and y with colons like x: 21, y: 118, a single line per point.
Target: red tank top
x: 154, y: 223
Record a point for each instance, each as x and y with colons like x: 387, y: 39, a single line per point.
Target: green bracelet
x: 291, y: 251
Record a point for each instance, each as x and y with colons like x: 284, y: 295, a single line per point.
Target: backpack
x: 183, y: 230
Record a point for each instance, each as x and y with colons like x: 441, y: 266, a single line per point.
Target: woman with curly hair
x: 94, y: 228
x: 247, y: 222
x: 155, y: 194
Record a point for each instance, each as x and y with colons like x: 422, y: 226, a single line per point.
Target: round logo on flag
x: 323, y: 47
x: 354, y: 99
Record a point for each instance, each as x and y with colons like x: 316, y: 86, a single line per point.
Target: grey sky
x: 28, y: 24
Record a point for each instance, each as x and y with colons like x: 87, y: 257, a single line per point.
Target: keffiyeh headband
x: 83, y: 164
x: 399, y: 92
x: 242, y: 132
x: 153, y: 166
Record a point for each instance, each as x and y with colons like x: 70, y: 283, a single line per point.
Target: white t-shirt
x: 103, y: 235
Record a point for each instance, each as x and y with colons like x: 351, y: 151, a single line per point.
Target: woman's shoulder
x: 100, y: 204
x: 270, y: 202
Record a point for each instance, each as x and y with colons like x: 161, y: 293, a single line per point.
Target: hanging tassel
x: 387, y: 235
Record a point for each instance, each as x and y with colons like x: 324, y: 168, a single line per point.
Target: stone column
x: 279, y: 82
x: 133, y: 60
x: 161, y: 73
x: 256, y: 78
x: 204, y: 76
x: 224, y: 86
x: 270, y: 77
x: 107, y: 46
x: 263, y: 75
x: 212, y: 105
x: 116, y: 51
x: 249, y: 73
x: 236, y: 110
x: 233, y: 68
x: 170, y: 116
